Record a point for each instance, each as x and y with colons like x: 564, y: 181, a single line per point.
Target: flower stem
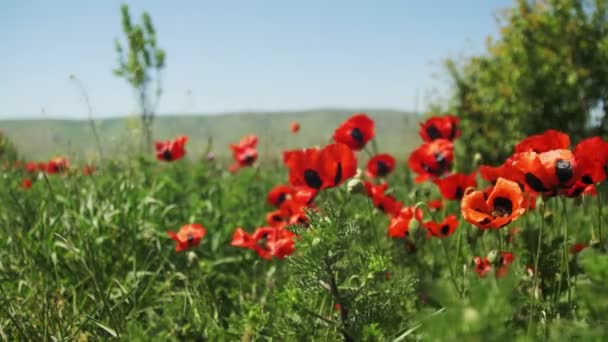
x: 536, y: 262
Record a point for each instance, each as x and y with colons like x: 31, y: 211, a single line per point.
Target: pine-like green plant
x: 141, y: 64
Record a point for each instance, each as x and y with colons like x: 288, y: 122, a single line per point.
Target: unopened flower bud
x: 492, y: 256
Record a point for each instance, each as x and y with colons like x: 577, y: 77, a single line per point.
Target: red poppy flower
x: 386, y: 203
x: 505, y: 259
x: 592, y: 157
x: 276, y: 219
x: 244, y: 153
x: 452, y: 187
x: 171, y: 150
x: 355, y: 132
x: 188, y: 236
x: 88, y: 170
x: 435, y: 204
x: 482, y: 266
x: 495, y: 208
x: 577, y: 248
x: 380, y: 165
x: 579, y: 188
x: 548, y: 172
x: 281, y: 193
x: 31, y: 167
x: 320, y: 169
x: 42, y: 166
x: 26, y: 183
x: 400, y: 224
x: 242, y: 239
x: 506, y: 171
x: 440, y: 127
x: 57, y: 165
x: 547, y: 141
x: 294, y: 127
x: 268, y: 242
x: 431, y: 160
x: 444, y: 228
x: 294, y: 211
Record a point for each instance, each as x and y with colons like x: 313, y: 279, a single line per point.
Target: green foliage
x: 141, y: 65
x: 547, y: 69
x: 8, y: 151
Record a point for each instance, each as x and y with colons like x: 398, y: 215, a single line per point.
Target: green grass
x: 88, y: 258
x: 42, y: 139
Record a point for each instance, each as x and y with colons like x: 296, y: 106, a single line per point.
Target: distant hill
x: 43, y: 138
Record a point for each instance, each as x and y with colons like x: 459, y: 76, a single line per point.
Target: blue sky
x: 245, y: 55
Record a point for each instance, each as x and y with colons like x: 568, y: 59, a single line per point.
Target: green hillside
x: 43, y: 138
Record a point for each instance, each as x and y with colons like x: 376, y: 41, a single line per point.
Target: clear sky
x: 245, y: 55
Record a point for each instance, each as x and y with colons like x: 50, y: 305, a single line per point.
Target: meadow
x: 158, y: 246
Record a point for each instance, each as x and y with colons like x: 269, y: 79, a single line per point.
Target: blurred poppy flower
x: 294, y: 127
x: 442, y: 229
x: 494, y: 208
x: 504, y: 261
x: 276, y: 219
x: 42, y: 166
x: 31, y: 167
x: 57, y: 165
x: 506, y: 171
x: 244, y: 153
x: 188, y: 236
x: 268, y: 242
x: 88, y: 170
x: 452, y: 187
x: 380, y: 165
x: 320, y: 168
x: 592, y: 157
x: 385, y: 203
x: 431, y: 160
x: 482, y: 266
x: 435, y: 204
x: 547, y: 141
x: 355, y: 132
x: 400, y: 224
x: 440, y: 127
x: 577, y: 248
x: 171, y: 150
x: 548, y: 172
x: 26, y: 183
x: 279, y: 194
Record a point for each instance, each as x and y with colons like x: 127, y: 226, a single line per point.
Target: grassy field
x: 41, y: 139
x: 88, y: 257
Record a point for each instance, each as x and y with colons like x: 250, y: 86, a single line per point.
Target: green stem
x: 599, y: 217
x: 567, y: 264
x: 536, y: 261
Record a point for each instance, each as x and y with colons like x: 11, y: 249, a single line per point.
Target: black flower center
x: 433, y: 132
x: 338, y: 177
x: 453, y: 132
x: 383, y: 169
x: 445, y: 229
x: 502, y: 207
x: 190, y: 239
x: 563, y: 170
x: 167, y: 155
x: 459, y: 192
x: 587, y: 179
x: 277, y: 218
x: 249, y: 159
x: 357, y: 135
x: 535, y: 183
x: 312, y: 179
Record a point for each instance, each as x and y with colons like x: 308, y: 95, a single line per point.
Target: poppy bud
x: 470, y: 315
x: 477, y: 159
x: 492, y: 256
x: 191, y: 256
x: 355, y: 186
